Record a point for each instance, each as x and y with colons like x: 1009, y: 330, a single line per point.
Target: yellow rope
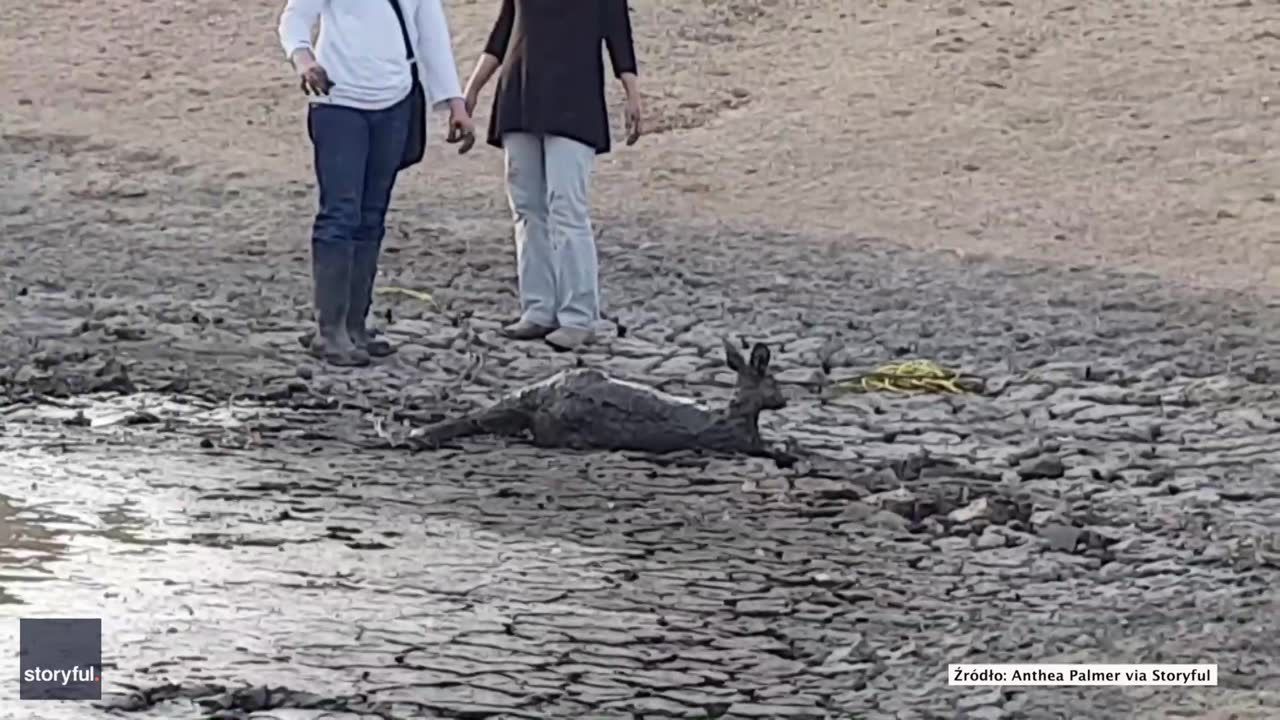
x: 912, y: 376
x: 416, y: 294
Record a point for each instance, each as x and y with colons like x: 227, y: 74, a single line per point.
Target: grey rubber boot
x: 364, y: 271
x: 331, y: 275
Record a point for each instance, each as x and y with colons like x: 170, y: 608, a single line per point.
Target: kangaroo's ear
x: 760, y: 356
x: 733, y: 358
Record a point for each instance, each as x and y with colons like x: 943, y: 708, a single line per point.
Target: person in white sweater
x: 375, y: 70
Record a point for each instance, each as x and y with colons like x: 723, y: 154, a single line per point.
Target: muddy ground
x: 175, y: 464
x: 171, y: 462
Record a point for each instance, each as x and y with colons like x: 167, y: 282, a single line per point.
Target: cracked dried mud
x: 172, y: 462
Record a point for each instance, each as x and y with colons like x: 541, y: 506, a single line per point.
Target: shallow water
x: 507, y: 582
x: 198, y: 578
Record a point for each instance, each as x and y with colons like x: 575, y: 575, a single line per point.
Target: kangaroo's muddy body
x: 589, y: 409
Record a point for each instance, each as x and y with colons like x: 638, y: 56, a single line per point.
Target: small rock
x: 1061, y: 537
x: 854, y: 510
x: 26, y: 375
x: 1048, y: 467
x: 1260, y: 375
x: 900, y: 496
x: 1041, y: 518
x: 839, y: 655
x: 217, y: 702
x: 133, y: 702
x: 128, y: 334
x: 952, y: 544
x: 112, y: 377
x: 253, y: 699
x: 772, y: 711
x: 974, y: 510
x: 981, y: 699
x: 888, y: 521
x: 989, y: 539
x: 931, y: 526
x: 1155, y: 477
x: 127, y: 417
x: 799, y: 376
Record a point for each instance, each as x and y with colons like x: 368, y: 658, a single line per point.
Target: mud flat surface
x: 173, y: 463
x: 903, y: 179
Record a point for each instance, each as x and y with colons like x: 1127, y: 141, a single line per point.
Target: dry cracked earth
x: 174, y: 464
x: 171, y: 462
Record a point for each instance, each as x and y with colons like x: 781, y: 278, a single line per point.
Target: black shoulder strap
x: 404, y: 31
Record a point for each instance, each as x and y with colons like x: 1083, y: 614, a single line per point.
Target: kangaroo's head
x: 757, y: 390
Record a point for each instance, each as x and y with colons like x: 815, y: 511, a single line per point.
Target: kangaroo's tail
x: 493, y: 421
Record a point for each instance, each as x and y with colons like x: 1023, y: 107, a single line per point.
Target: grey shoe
x: 525, y: 330
x: 375, y: 346
x: 364, y: 270
x: 331, y: 276
x: 570, y: 338
x: 336, y: 355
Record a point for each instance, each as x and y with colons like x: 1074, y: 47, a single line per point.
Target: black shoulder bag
x: 416, y: 144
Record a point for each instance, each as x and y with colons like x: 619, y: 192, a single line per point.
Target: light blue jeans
x: 548, y: 186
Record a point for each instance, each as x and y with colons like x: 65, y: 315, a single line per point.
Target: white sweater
x: 359, y: 46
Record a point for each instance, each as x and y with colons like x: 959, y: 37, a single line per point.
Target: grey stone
x: 974, y: 510
x: 989, y: 539
x: 1048, y: 467
x: 1061, y: 537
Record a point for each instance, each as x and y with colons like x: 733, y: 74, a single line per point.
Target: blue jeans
x: 357, y: 153
x: 357, y: 156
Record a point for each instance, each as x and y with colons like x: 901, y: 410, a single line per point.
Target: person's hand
x: 470, y: 100
x: 314, y: 80
x: 461, y: 128
x: 633, y: 118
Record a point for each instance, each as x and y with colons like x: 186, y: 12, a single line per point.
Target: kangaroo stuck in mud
x: 587, y: 409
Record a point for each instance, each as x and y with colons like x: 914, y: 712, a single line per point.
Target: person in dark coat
x: 550, y: 119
